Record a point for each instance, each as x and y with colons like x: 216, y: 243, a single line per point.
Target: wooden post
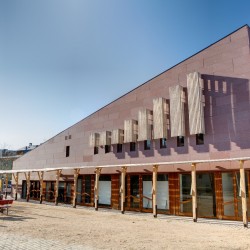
x: 243, y: 193
x: 6, y: 185
x: 123, y: 189
x: 194, y: 192
x: 40, y: 176
x: 27, y: 176
x: 97, y: 175
x: 154, y: 190
x: 58, y: 174
x: 76, y: 173
x: 16, y: 181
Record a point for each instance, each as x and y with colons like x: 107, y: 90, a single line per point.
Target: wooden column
x: 123, y: 189
x: 194, y: 192
x: 243, y: 193
x: 154, y: 190
x: 27, y: 176
x: 40, y: 176
x: 16, y: 182
x: 58, y: 174
x: 6, y: 185
x: 97, y: 175
x: 76, y: 173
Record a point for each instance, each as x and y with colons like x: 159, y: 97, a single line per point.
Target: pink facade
x: 225, y: 69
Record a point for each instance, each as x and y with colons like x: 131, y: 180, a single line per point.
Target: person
x: 1, y: 197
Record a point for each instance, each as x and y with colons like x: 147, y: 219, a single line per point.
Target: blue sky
x: 61, y: 60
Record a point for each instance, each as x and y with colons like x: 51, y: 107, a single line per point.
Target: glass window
x: 199, y: 139
x: 180, y: 141
x: 147, y: 144
x: 67, y: 151
x: 163, y: 143
x: 132, y: 146
x: 107, y: 149
x: 95, y: 150
x: 119, y: 148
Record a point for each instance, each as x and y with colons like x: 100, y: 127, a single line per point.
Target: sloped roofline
x: 246, y: 25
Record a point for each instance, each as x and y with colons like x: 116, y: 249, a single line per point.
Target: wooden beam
x: 16, y: 182
x: 76, y: 173
x: 154, y: 190
x: 40, y: 176
x: 58, y: 174
x: 243, y: 193
x: 123, y: 189
x: 97, y: 175
x: 27, y: 176
x: 194, y: 192
x: 6, y: 185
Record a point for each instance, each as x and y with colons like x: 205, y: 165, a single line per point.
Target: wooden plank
x: 76, y: 174
x: 97, y: 175
x: 154, y: 191
x: 15, y: 176
x: 122, y: 189
x: 27, y: 176
x: 194, y: 192
x: 115, y: 194
x: 243, y: 194
x: 219, y: 195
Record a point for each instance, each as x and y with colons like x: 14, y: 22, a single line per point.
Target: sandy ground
x: 108, y: 229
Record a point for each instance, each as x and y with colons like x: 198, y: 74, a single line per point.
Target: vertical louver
x: 130, y: 131
x: 160, y: 118
x: 105, y: 138
x: 177, y: 118
x: 117, y: 136
x: 94, y: 140
x: 195, y: 104
x: 144, y: 125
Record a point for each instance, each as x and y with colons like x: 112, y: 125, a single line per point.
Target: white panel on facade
x: 162, y: 195
x: 117, y: 136
x: 177, y: 117
x: 195, y: 104
x: 94, y: 140
x: 104, y: 192
x: 144, y: 125
x: 105, y: 138
x: 160, y: 118
x: 130, y: 131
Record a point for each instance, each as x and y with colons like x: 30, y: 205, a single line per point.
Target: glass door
x: 185, y: 194
x: 206, y: 200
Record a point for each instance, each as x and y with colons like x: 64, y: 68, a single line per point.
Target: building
x: 7, y: 157
x: 178, y: 144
